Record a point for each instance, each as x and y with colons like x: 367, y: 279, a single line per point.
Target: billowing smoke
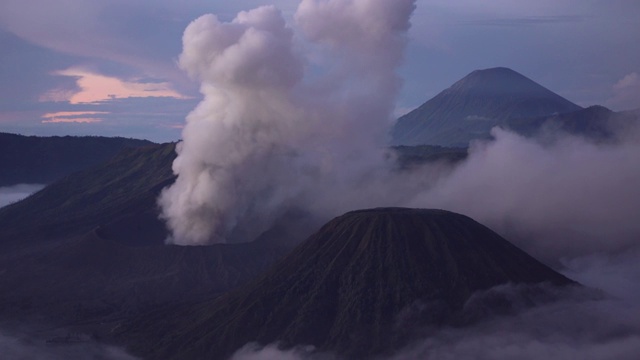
x: 275, y: 130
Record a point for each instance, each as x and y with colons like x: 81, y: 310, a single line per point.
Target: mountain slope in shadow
x: 348, y: 288
x: 42, y: 160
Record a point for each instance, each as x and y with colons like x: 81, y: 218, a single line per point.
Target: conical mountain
x: 348, y: 288
x: 473, y: 105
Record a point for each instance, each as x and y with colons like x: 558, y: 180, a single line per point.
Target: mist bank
x: 15, y: 193
x: 21, y: 344
x: 565, y: 198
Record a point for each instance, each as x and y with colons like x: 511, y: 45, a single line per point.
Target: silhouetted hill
x: 358, y: 287
x: 122, y: 188
x: 42, y: 160
x: 473, y: 105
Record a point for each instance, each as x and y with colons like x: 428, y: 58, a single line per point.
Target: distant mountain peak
x: 501, y: 80
x: 495, y: 73
x: 473, y: 105
x: 499, y: 70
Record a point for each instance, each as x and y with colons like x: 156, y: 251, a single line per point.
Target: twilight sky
x: 108, y: 67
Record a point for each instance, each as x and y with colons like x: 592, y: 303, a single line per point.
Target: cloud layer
x: 24, y: 346
x: 565, y: 198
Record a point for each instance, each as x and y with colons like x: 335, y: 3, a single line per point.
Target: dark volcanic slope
x: 345, y: 288
x: 120, y: 191
x: 42, y: 160
x: 472, y: 106
x: 89, y: 248
x: 90, y: 280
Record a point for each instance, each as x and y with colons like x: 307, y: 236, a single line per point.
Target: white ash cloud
x: 268, y: 137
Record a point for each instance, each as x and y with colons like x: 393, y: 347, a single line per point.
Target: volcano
x: 351, y: 288
x: 473, y: 105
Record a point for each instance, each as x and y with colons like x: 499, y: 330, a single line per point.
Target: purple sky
x: 101, y: 67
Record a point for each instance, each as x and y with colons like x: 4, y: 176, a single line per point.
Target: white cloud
x: 23, y: 347
x: 94, y: 87
x: 626, y: 93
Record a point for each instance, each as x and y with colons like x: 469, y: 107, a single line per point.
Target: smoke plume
x: 271, y: 133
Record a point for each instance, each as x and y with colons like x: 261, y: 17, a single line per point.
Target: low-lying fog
x: 25, y: 345
x: 15, y: 193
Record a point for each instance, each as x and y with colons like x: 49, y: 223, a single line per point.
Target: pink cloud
x: 93, y: 87
x: 72, y: 117
x: 626, y: 93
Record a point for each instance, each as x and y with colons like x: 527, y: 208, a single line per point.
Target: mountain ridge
x: 42, y: 160
x: 470, y: 107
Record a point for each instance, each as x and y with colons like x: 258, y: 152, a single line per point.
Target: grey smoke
x: 272, y: 134
x: 15, y: 193
x: 269, y: 134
